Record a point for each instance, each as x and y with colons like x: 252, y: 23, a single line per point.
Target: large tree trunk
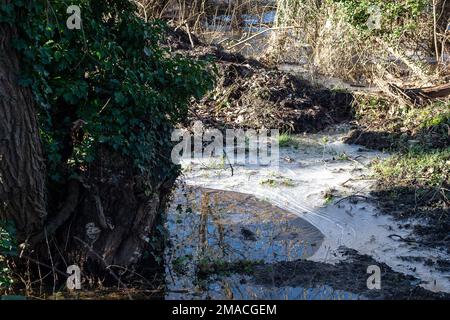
x: 107, y: 216
x: 22, y: 168
x: 117, y: 217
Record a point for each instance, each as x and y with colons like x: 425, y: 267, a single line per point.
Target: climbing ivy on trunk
x: 107, y: 97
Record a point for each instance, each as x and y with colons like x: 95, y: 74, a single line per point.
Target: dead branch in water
x: 260, y: 33
x: 421, y: 95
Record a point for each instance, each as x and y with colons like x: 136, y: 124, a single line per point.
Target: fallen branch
x: 350, y: 197
x: 400, y: 238
x: 262, y: 32
x: 424, y: 94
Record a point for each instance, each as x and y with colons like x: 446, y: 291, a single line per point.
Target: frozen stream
x: 320, y: 190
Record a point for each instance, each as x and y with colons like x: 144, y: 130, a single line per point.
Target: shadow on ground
x: 350, y: 276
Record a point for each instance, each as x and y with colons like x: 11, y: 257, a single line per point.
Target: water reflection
x: 229, y: 233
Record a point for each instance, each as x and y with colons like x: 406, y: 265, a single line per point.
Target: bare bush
x: 410, y: 46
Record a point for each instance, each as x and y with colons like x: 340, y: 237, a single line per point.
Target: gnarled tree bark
x: 22, y: 167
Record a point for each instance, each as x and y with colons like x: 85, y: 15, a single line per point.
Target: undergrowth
x: 7, y: 248
x: 425, y: 169
x: 287, y: 140
x: 415, y: 179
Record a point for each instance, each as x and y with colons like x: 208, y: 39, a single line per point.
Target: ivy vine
x: 112, y: 79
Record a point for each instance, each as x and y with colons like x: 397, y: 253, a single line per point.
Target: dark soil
x: 381, y: 130
x: 250, y: 94
x: 404, y: 203
x: 350, y: 275
x: 395, y: 140
x: 372, y: 139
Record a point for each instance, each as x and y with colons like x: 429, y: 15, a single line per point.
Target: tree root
x: 71, y: 202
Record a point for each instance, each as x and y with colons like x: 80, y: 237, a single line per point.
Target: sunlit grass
x: 428, y: 169
x: 286, y: 140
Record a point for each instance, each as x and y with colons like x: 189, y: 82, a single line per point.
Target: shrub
x: 7, y: 248
x: 110, y: 83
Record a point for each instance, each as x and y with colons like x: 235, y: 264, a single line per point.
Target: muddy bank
x: 419, y: 130
x: 397, y: 140
x: 250, y: 94
x: 428, y: 208
x: 349, y: 275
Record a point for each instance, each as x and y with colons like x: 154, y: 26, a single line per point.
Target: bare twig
x: 260, y: 33
x: 350, y: 197
x: 107, y: 266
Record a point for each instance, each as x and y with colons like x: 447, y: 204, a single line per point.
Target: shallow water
x: 215, y: 226
x: 313, y: 203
